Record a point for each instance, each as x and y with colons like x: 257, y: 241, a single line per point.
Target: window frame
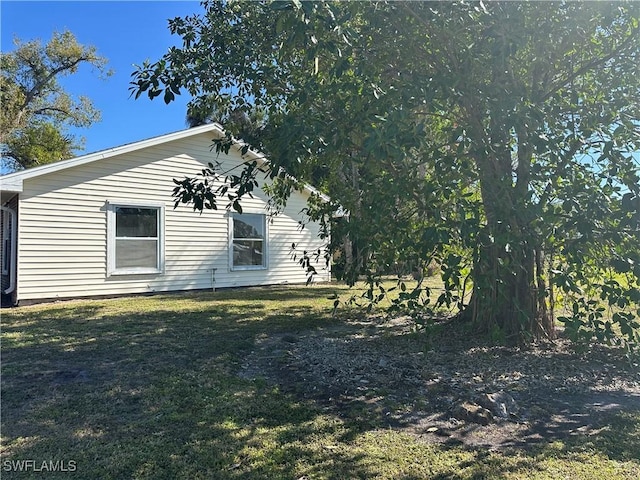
x: 265, y: 242
x: 112, y: 206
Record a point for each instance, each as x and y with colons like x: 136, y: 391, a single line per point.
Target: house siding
x: 63, y: 227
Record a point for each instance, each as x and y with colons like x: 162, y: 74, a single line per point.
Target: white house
x: 104, y: 224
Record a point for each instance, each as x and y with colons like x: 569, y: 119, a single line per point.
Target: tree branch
x: 590, y: 65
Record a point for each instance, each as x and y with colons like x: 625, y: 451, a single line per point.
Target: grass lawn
x: 148, y: 387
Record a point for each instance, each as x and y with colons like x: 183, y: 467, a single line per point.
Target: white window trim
x: 111, y: 238
x: 265, y: 256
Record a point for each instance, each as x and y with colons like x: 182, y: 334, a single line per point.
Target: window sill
x: 135, y: 271
x: 248, y: 268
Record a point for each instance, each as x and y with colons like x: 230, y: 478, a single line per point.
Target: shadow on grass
x: 150, y: 392
x: 266, y: 293
x: 149, y: 388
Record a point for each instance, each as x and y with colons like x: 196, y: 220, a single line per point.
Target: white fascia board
x: 13, y: 181
x: 314, y: 191
x: 11, y: 185
x: 18, y: 177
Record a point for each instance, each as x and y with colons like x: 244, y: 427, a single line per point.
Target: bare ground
x: 448, y: 386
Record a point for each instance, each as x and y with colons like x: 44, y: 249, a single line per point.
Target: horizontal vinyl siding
x: 63, y: 228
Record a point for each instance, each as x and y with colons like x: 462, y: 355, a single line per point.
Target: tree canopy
x: 34, y: 108
x: 498, y: 141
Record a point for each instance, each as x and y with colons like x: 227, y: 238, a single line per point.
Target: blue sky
x: 126, y: 33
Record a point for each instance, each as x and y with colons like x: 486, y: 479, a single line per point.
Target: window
x: 248, y: 241
x: 135, y: 239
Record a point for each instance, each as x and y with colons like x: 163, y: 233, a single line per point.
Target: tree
x: 34, y: 108
x: 248, y: 125
x: 499, y: 140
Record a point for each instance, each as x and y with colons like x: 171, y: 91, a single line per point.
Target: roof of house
x: 13, y: 182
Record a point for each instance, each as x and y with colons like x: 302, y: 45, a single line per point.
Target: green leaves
x: 34, y: 109
x: 491, y: 143
x: 204, y: 191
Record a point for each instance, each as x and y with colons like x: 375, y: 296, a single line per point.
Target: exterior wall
x: 5, y: 278
x: 63, y: 228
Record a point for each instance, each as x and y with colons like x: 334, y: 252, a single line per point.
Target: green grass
x: 147, y: 387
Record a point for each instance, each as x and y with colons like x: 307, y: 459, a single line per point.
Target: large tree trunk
x: 508, y: 274
x: 506, y: 301
x: 544, y: 325
x: 510, y: 303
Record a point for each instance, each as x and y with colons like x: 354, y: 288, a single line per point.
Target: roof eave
x: 13, y: 182
x: 18, y: 177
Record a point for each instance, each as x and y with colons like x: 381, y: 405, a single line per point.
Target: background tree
x: 498, y: 140
x: 34, y: 108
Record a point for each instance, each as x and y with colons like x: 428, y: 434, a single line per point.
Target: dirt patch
x: 446, y: 387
